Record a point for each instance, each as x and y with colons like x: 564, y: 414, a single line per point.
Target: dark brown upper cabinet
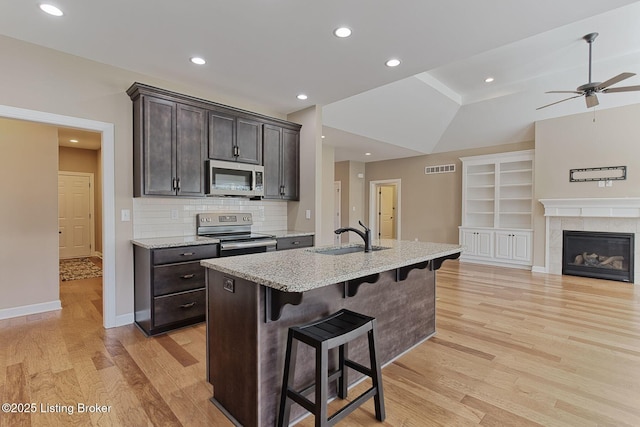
x: 169, y: 148
x: 174, y: 134
x: 281, y: 155
x: 234, y: 138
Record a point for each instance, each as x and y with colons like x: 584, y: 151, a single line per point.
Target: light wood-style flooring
x: 513, y: 348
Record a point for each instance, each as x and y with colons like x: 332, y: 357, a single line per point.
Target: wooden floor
x: 512, y: 349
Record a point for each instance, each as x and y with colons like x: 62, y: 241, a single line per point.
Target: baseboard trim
x: 124, y: 319
x: 538, y: 269
x: 25, y: 310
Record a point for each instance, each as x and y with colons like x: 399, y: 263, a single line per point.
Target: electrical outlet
x: 174, y: 213
x: 601, y: 184
x: 609, y: 183
x: 308, y: 214
x: 125, y: 215
x: 229, y: 285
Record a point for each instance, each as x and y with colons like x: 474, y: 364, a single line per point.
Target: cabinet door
x: 290, y: 164
x: 468, y: 240
x: 504, y: 241
x: 222, y: 136
x: 248, y: 141
x: 521, y: 245
x: 159, y: 147
x: 191, y: 143
x: 484, y: 243
x: 271, y: 156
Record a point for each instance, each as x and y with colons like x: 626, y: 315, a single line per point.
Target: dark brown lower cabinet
x: 169, y: 287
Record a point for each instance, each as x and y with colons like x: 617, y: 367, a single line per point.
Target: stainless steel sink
x: 344, y: 250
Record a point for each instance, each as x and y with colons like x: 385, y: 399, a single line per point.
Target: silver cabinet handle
x: 188, y: 276
x: 188, y: 305
x: 188, y: 254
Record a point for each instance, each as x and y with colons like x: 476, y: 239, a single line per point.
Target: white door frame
x: 373, y: 205
x: 108, y: 197
x: 92, y: 224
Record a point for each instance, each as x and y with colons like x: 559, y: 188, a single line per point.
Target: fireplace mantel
x: 593, y: 207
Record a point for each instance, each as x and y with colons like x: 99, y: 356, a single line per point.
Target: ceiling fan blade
x: 565, y: 91
x: 614, y: 80
x: 592, y: 100
x: 621, y: 89
x: 557, y: 102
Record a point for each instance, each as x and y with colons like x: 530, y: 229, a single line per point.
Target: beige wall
x: 29, y: 188
x: 575, y: 142
x: 310, y: 167
x: 41, y: 79
x: 87, y: 161
x: 341, y: 173
x: 325, y: 235
x: 431, y: 204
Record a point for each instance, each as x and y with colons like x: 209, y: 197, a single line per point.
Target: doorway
x: 384, y: 209
x: 108, y: 196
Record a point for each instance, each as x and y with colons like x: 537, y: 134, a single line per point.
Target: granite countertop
x: 301, y: 270
x: 290, y: 233
x: 173, y: 242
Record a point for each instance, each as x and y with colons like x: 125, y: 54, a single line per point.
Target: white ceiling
x: 268, y: 51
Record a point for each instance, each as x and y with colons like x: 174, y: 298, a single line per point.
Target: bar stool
x: 336, y: 330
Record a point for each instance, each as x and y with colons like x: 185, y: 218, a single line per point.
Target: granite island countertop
x: 305, y: 269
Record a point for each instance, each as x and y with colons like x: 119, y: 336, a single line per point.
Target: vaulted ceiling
x: 268, y: 51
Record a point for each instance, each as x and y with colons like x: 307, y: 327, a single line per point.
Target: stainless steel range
x: 234, y: 232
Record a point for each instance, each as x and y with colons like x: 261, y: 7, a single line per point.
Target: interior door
x: 387, y: 212
x: 74, y: 220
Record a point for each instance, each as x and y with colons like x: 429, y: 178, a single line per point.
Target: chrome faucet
x: 366, y: 235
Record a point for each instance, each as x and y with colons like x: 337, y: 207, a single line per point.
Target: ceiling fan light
x: 592, y: 100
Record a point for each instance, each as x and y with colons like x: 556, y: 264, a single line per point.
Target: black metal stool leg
x: 322, y: 380
x: 343, y: 380
x: 287, y: 381
x: 376, y: 374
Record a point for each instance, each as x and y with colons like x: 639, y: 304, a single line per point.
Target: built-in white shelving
x: 497, y: 207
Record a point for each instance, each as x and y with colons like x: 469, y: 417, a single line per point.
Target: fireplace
x: 601, y: 255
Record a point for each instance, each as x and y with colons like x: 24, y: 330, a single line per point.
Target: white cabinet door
x: 468, y: 240
x: 484, y: 246
x: 503, y: 245
x: 521, y: 247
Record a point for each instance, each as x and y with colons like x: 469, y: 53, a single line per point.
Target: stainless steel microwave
x: 234, y: 179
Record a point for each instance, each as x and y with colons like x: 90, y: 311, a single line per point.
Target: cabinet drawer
x: 171, y: 278
x: 294, y: 242
x: 184, y: 254
x: 179, y: 307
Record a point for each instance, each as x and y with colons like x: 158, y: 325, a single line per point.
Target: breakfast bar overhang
x: 253, y: 300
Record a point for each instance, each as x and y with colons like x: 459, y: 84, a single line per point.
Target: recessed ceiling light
x: 75, y: 141
x: 393, y: 62
x: 488, y: 80
x: 367, y: 154
x: 51, y: 9
x: 322, y: 136
x: 342, y: 32
x: 302, y: 96
x: 198, y: 61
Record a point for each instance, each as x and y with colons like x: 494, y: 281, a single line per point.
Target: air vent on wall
x: 428, y: 170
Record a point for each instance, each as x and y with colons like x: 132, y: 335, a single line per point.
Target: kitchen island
x: 252, y: 300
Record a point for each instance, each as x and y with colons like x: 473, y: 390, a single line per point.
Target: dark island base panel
x: 240, y: 371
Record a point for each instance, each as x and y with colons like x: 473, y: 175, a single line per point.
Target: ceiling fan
x: 589, y: 90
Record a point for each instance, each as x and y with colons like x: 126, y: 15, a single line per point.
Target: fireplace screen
x: 597, y: 254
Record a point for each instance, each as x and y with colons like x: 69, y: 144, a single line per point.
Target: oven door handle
x: 250, y: 244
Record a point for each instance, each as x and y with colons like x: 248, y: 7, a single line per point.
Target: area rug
x: 78, y: 268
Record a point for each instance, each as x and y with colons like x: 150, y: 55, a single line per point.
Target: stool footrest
x: 358, y: 367
x: 300, y: 400
x: 311, y: 387
x: 352, y: 406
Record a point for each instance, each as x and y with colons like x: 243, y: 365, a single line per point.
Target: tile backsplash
x: 168, y: 217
